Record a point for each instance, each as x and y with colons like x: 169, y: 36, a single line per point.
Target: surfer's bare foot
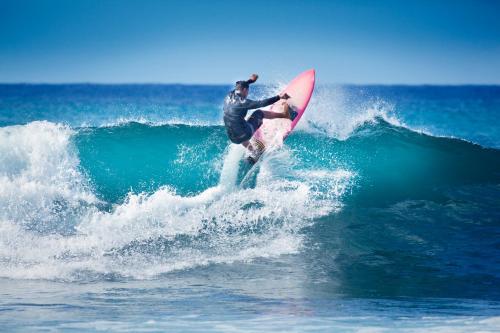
x: 286, y: 109
x: 289, y: 112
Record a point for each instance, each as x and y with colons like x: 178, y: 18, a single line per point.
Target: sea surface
x: 120, y: 211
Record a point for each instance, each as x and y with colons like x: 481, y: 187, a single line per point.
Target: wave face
x: 358, y: 201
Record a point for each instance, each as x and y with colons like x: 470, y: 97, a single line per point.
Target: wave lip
x: 122, y: 121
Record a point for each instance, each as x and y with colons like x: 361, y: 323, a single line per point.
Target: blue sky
x: 387, y: 42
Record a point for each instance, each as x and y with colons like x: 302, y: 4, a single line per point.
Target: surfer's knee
x: 259, y: 114
x: 256, y: 119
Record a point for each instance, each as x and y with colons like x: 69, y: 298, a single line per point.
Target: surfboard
x: 273, y: 132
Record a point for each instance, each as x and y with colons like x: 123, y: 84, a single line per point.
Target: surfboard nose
x: 310, y: 74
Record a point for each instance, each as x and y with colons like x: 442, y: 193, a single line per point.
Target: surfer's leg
x: 273, y: 115
x: 255, y: 120
x: 287, y: 114
x: 247, y: 145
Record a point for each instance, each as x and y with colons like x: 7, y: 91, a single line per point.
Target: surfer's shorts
x: 255, y: 121
x: 244, y: 133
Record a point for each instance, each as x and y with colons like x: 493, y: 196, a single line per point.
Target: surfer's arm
x: 252, y: 78
x: 250, y: 104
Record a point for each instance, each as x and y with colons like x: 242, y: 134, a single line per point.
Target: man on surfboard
x: 236, y: 106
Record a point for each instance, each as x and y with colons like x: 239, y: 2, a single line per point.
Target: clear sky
x: 351, y: 41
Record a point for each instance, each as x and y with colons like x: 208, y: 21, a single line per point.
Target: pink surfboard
x: 273, y: 132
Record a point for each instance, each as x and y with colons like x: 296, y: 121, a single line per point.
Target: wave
x: 58, y: 229
x: 138, y: 201
x: 380, y: 152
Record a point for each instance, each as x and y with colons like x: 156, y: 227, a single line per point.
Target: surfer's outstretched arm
x: 251, y: 104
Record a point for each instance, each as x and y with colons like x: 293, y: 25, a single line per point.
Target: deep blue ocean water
x: 119, y: 211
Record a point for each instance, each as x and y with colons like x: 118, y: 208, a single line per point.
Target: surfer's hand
x: 253, y: 77
x: 284, y: 96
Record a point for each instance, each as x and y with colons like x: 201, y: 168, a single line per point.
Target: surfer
x: 236, y: 106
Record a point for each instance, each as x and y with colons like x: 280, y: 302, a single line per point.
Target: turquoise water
x: 119, y: 211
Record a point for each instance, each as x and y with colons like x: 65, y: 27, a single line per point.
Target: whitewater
x: 119, y: 210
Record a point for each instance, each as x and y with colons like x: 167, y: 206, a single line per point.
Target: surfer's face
x: 244, y: 92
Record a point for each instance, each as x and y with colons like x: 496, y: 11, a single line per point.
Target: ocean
x: 120, y: 211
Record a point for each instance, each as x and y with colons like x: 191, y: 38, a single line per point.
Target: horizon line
x: 230, y: 84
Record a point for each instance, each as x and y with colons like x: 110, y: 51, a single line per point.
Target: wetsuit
x: 235, y: 110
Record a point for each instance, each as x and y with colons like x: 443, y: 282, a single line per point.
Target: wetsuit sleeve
x: 250, y: 104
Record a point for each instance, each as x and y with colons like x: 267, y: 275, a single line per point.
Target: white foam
x: 150, y: 233
x: 38, y: 169
x: 229, y: 171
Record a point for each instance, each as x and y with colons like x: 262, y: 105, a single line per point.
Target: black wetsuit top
x: 235, y: 111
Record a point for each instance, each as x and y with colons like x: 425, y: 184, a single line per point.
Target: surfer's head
x: 241, y: 88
